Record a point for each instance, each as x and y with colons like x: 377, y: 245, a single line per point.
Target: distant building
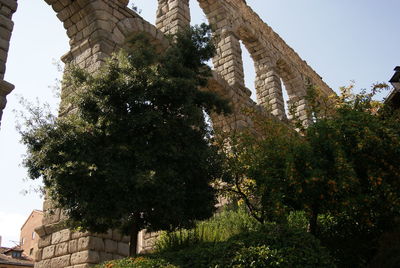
x: 14, y: 258
x: 394, y: 97
x: 29, y: 238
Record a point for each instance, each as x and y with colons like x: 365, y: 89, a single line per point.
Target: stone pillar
x: 172, y: 15
x: 269, y: 92
x: 89, y: 26
x: 7, y: 9
x: 228, y: 62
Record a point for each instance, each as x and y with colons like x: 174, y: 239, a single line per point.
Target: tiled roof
x: 6, y: 259
x: 16, y: 248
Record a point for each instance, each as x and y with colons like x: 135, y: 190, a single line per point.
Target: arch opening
x: 197, y: 13
x: 145, y: 10
x: 249, y: 71
x: 292, y: 87
x: 286, y: 101
x: 197, y: 17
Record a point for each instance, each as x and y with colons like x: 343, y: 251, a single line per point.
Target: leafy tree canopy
x: 134, y: 152
x: 345, y: 164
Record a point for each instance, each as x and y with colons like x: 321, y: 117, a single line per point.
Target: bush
x: 220, y: 227
x: 350, y: 244
x: 271, y: 246
x: 234, y: 239
x: 139, y: 262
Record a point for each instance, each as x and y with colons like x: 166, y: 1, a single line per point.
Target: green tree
x: 343, y: 165
x: 134, y: 151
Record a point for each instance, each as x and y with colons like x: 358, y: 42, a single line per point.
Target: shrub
x: 271, y: 246
x: 234, y: 239
x: 138, y: 262
x: 219, y: 228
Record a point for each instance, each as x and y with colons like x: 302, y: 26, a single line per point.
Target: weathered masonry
x: 7, y: 8
x: 96, y: 28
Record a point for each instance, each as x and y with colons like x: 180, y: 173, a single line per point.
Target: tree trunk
x: 134, y: 239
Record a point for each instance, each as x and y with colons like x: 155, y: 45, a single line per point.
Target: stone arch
x: 295, y: 87
x: 261, y: 58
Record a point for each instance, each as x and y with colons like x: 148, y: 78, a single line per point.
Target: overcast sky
x: 342, y: 40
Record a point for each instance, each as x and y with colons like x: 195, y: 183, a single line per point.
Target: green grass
x: 220, y: 227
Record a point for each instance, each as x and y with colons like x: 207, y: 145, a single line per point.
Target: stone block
x: 104, y: 256
x: 6, y: 23
x: 4, y: 44
x: 84, y: 243
x: 97, y: 243
x: 126, y: 239
x: 116, y: 235
x: 111, y: 246
x: 85, y: 257
x: 43, y: 264
x: 82, y: 266
x: 75, y: 235
x: 52, y: 228
x: 61, y: 236
x: 48, y: 252
x: 5, y: 33
x: 90, y: 242
x: 123, y: 249
x: 41, y: 231
x: 44, y: 241
x: 12, y: 4
x: 6, y: 11
x: 73, y: 246
x: 61, y: 249
x: 60, y: 261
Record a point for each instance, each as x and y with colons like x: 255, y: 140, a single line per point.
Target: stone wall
x: 96, y: 28
x: 7, y: 9
x: 274, y: 60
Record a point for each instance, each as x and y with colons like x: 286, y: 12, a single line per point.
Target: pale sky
x: 342, y: 40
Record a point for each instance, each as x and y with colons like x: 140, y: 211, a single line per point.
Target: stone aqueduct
x: 96, y: 28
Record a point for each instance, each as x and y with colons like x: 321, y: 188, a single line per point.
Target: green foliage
x: 343, y: 166
x: 256, y: 167
x: 137, y: 262
x: 220, y: 227
x: 134, y: 150
x: 271, y: 246
x: 243, y: 242
x: 298, y: 220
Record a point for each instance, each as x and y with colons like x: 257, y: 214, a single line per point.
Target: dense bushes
x: 247, y: 245
x: 139, y: 262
